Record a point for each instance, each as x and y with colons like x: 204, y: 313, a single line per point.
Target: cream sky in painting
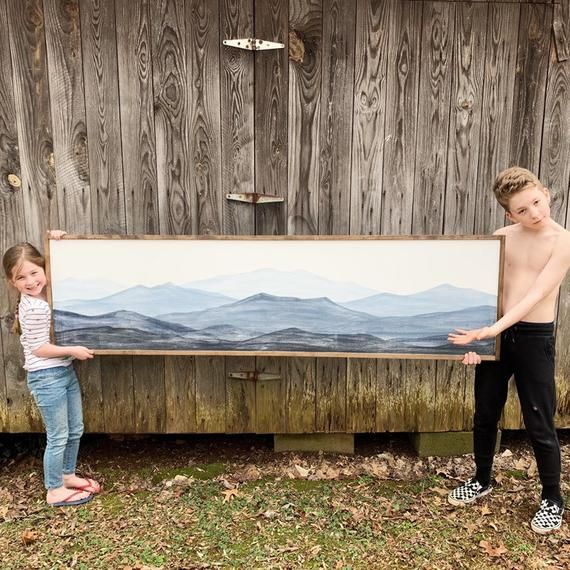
x: 395, y: 266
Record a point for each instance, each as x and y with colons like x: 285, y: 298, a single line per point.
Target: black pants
x: 527, y: 351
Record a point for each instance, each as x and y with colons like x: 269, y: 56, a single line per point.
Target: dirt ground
x: 182, y: 502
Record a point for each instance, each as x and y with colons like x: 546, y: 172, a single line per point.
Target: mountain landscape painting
x: 291, y: 296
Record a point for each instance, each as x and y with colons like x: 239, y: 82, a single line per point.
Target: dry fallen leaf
x: 485, y: 510
x: 491, y: 550
x: 229, y: 494
x: 29, y: 536
x: 440, y: 491
x: 301, y: 471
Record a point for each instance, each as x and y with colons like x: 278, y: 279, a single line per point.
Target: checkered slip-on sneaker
x: 469, y: 492
x: 548, y: 517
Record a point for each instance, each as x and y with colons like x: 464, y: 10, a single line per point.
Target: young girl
x: 51, y: 377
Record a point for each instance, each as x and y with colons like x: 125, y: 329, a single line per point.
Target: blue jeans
x: 57, y: 394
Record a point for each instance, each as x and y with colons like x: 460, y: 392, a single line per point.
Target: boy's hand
x: 461, y: 336
x: 81, y: 353
x: 471, y: 358
x: 56, y: 234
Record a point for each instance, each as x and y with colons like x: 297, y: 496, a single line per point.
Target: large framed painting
x: 364, y: 296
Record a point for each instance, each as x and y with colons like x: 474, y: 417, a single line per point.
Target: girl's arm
x: 49, y: 350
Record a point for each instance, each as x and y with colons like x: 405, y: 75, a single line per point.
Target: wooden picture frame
x: 347, y: 296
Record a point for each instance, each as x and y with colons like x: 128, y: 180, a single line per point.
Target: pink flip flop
x: 92, y: 486
x: 69, y: 502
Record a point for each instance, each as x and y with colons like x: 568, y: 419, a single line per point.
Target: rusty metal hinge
x: 254, y: 376
x: 255, y: 198
x: 253, y: 44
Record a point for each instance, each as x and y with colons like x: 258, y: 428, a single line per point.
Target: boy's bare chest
x: 527, y: 256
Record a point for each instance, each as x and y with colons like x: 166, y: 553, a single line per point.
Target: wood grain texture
x: 305, y: 22
x: 98, y: 40
x: 300, y: 395
x: 271, y: 87
x: 270, y: 395
x: 210, y: 394
x: 118, y: 394
x: 177, y: 203
x: 433, y: 117
x: 391, y: 396
x: 202, y: 34
x: 528, y: 104
x: 11, y: 226
x: 401, y: 111
x: 555, y: 152
x: 67, y: 99
x: 240, y: 396
x: 149, y: 392
x: 180, y: 394
x: 335, y: 143
x: 331, y: 394
x: 137, y: 116
x: 237, y: 100
x: 33, y: 118
x: 368, y: 120
x: 361, y: 395
x: 497, y: 109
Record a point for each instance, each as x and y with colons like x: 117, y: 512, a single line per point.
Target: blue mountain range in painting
x: 170, y: 317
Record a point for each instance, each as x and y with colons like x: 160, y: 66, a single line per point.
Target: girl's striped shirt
x: 35, y: 320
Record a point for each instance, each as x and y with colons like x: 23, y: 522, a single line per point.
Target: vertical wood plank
x: 210, y: 394
x: 433, y: 117
x: 203, y: 39
x: 271, y: 80
x: 67, y: 99
x: 102, y: 113
x: 270, y: 395
x: 300, y: 395
x: 401, y: 110
x: 339, y: 19
x: 149, y: 393
x: 372, y: 20
x: 31, y: 101
x: 11, y: 227
x: 500, y: 61
x: 452, y: 399
x: 361, y: 395
x: 305, y: 23
x: 100, y: 73
x: 554, y: 157
x: 331, y: 395
x: 139, y: 163
x: 535, y: 30
x: 392, y: 379
x: 180, y: 394
x: 237, y: 98
x: 176, y: 201
x: 240, y: 396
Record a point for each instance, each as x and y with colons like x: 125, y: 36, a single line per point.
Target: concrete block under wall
x: 326, y: 442
x: 446, y: 444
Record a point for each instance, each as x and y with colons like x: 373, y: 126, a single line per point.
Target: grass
x: 145, y: 519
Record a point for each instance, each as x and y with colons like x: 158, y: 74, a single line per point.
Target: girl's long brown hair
x: 12, y: 260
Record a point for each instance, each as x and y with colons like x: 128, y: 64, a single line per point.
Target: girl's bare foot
x: 62, y: 496
x: 72, y: 481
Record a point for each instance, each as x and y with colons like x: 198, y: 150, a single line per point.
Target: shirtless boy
x: 537, y: 257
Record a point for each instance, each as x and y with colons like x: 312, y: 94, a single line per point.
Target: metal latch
x: 254, y: 376
x: 255, y: 198
x: 253, y: 44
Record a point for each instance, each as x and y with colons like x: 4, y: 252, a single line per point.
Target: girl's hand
x: 471, y: 358
x: 56, y: 234
x: 80, y: 352
x: 461, y: 336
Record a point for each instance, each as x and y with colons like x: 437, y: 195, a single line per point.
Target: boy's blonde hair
x: 511, y: 181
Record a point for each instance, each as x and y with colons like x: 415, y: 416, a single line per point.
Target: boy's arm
x: 547, y: 281
x: 49, y: 350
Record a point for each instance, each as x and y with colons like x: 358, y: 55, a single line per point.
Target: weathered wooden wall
x: 379, y: 117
